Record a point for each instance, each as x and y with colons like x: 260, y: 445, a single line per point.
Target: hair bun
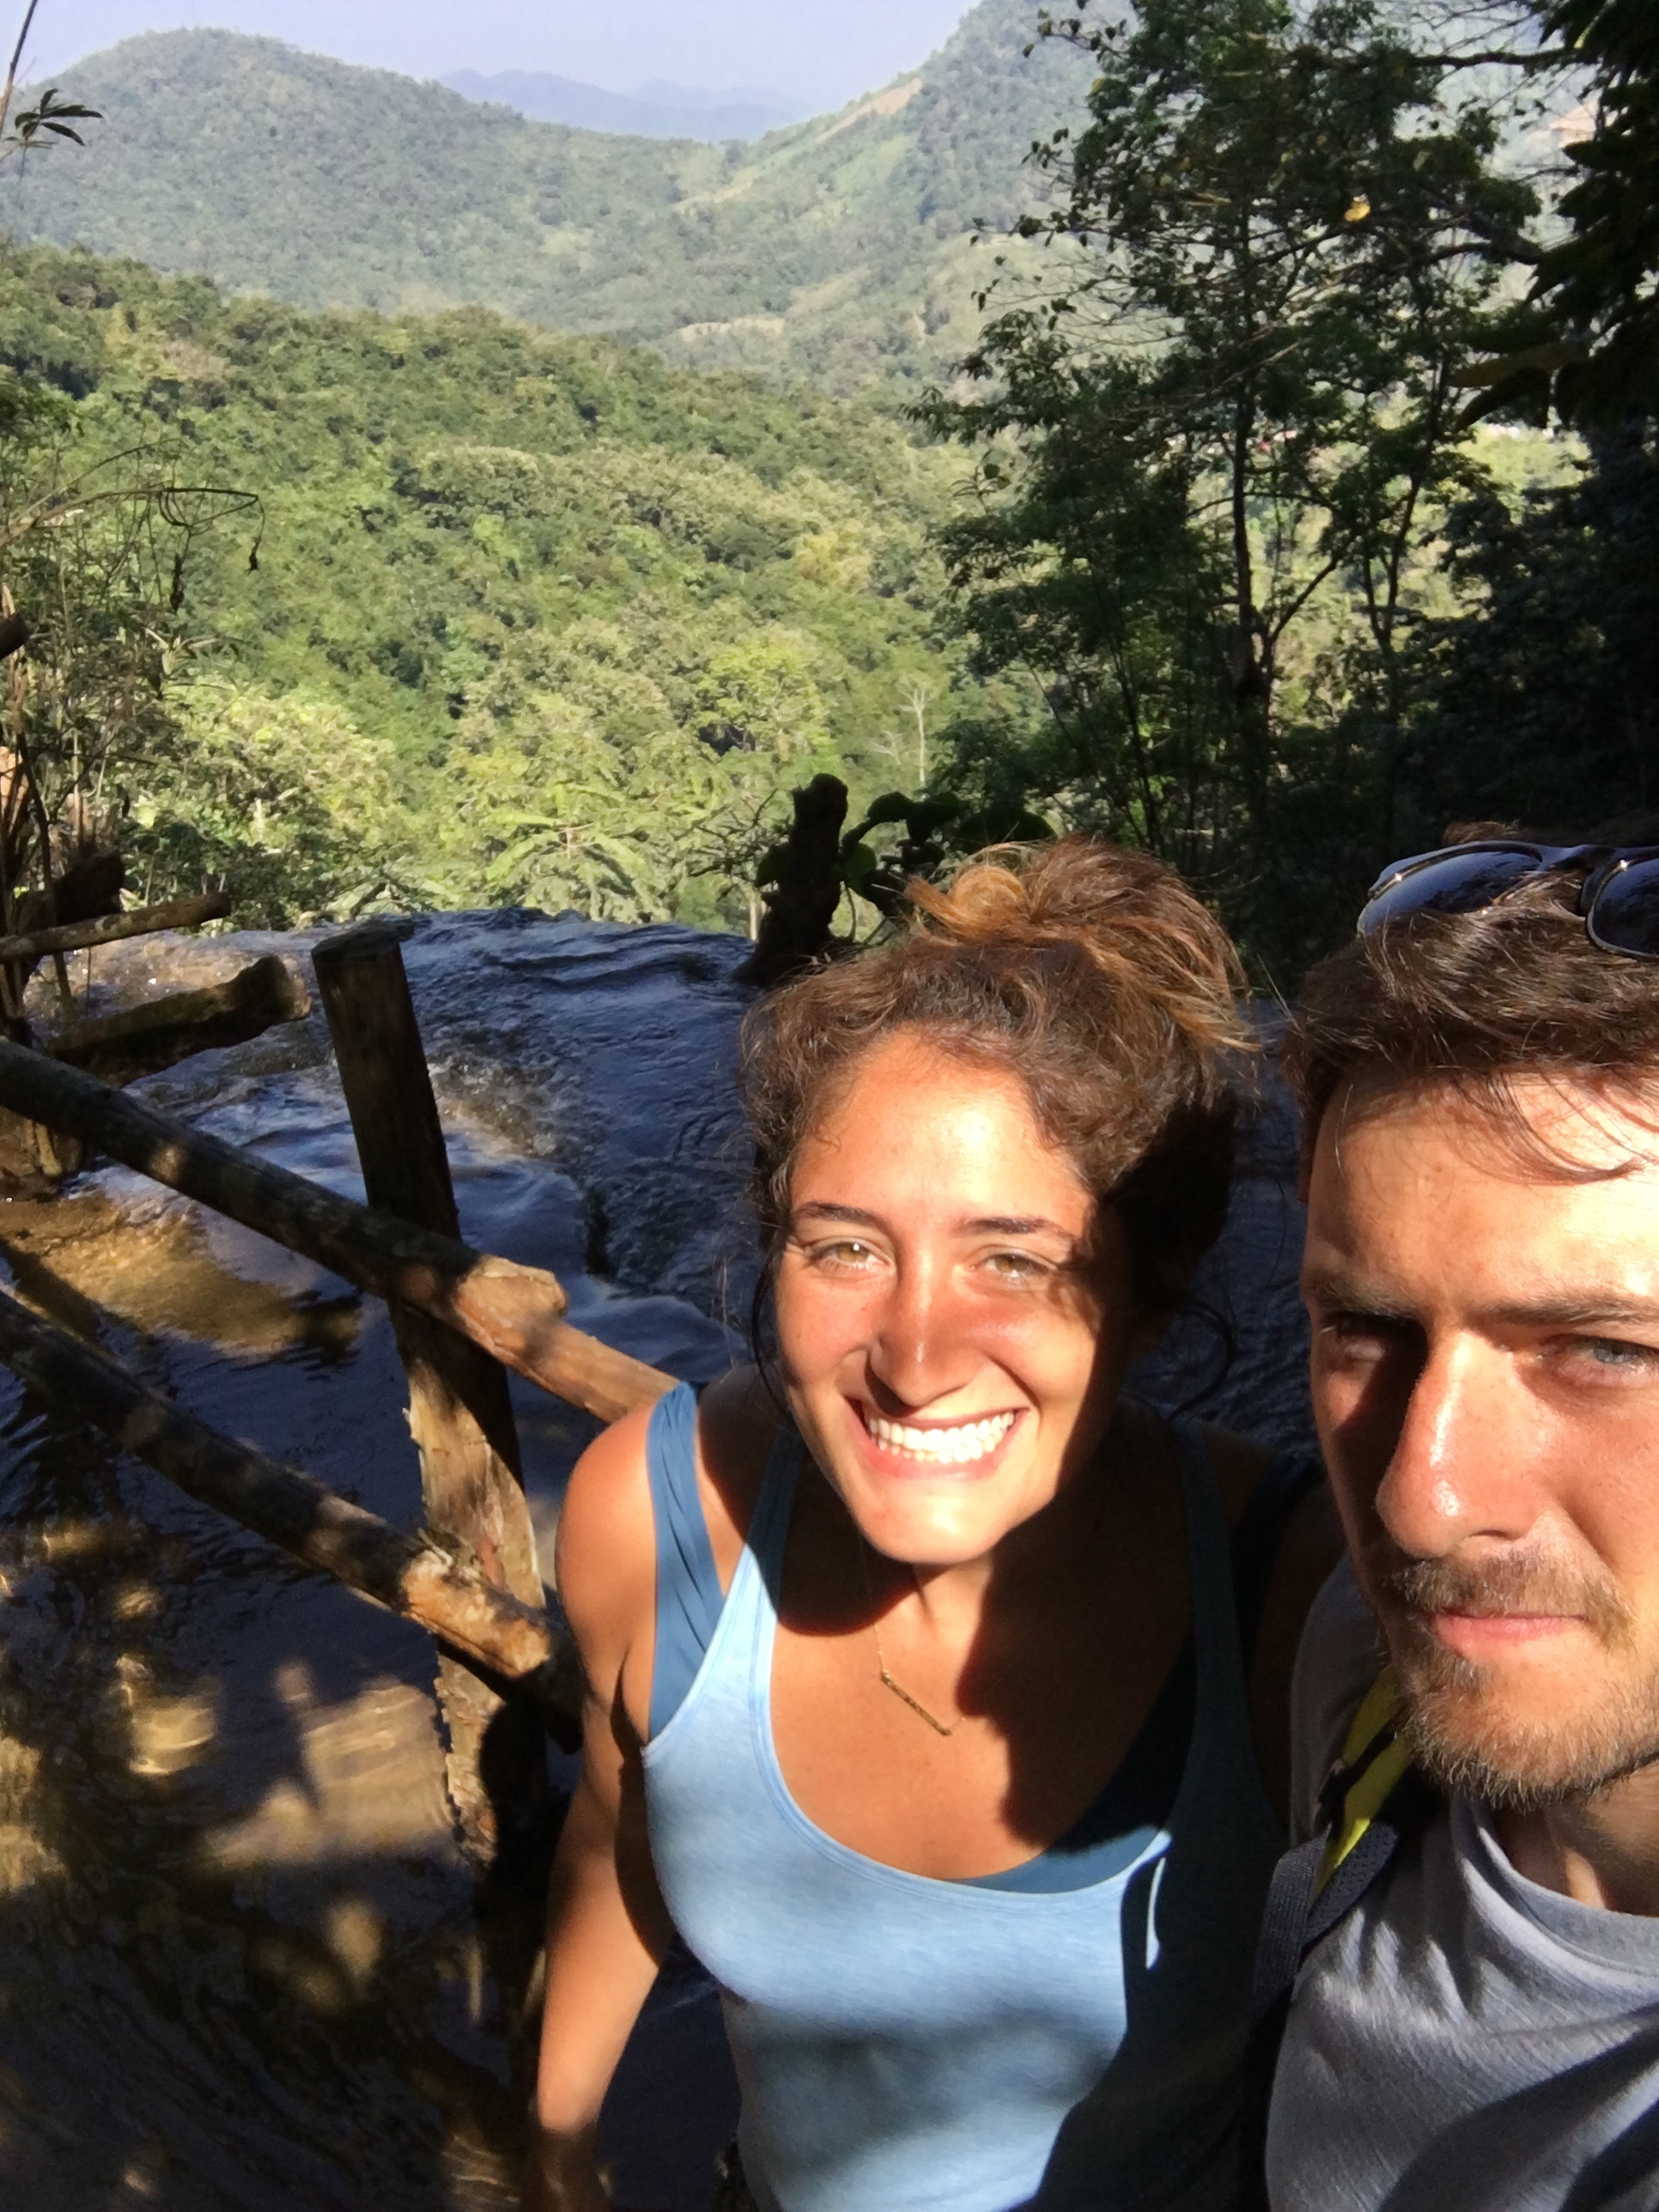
x: 1092, y: 976
x: 1129, y: 913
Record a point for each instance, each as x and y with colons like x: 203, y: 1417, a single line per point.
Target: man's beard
x: 1606, y: 1732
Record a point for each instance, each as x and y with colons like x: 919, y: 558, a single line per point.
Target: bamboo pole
x: 459, y: 1414
x: 17, y: 62
x: 513, y: 1312
x: 110, y: 929
x: 511, y: 1644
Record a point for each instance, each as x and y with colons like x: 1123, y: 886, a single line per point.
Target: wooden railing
x: 461, y: 1316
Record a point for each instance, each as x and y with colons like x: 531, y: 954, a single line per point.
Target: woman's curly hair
x: 1090, y: 973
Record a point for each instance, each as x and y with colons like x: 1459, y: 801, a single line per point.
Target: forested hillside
x: 838, y: 249
x: 532, y: 618
x: 549, y: 619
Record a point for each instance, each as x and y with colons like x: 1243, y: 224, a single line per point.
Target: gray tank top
x: 907, y: 2045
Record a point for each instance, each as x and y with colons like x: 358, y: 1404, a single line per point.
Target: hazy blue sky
x: 823, y: 50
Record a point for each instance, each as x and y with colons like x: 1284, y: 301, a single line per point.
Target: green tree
x: 1090, y: 573
x: 1209, y: 453
x: 95, y: 547
x: 763, y: 696
x: 578, y: 781
x: 1599, y: 283
x: 519, y: 561
x: 281, y: 799
x: 1537, y: 700
x: 548, y: 810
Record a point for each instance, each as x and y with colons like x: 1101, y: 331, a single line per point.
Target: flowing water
x: 239, y: 1964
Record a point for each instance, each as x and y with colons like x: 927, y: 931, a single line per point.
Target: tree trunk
x: 801, y: 905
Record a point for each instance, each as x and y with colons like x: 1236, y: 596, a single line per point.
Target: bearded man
x: 1476, y: 2028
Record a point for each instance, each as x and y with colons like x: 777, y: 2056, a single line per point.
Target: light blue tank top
x: 908, y: 2044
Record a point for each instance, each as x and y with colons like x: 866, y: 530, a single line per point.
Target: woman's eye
x: 843, y: 1252
x: 1014, y: 1267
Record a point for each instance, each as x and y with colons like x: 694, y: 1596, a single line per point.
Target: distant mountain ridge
x: 657, y: 110
x: 837, y: 249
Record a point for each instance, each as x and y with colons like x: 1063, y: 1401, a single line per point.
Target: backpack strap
x: 1374, y: 1761
x: 1372, y: 1800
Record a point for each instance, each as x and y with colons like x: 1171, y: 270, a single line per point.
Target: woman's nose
x: 1461, y: 1465
x: 921, y: 1349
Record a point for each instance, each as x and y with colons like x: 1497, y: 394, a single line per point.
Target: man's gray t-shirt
x: 1464, y: 2041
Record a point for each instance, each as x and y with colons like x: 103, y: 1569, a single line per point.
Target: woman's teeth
x: 941, y: 1447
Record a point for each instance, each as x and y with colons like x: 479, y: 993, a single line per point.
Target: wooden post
x: 459, y: 1414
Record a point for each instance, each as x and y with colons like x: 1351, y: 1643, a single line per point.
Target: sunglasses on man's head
x: 1618, y: 898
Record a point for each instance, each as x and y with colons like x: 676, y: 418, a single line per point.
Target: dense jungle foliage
x: 1239, y: 517
x: 1537, y: 697
x: 532, y: 619
x: 838, y: 249
x: 1298, y: 495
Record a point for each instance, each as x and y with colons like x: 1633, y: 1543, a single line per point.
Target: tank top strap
x: 690, y: 1603
x: 1222, y: 1718
x: 689, y: 1598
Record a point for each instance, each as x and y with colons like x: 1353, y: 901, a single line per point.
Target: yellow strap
x: 1376, y: 1711
x: 1364, y: 1800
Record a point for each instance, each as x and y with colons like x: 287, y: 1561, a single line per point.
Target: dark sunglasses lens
x: 1461, y: 883
x: 1624, y: 917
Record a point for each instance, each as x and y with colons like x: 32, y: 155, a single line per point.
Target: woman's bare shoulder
x: 607, y: 1505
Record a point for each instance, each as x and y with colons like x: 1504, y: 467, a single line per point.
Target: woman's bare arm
x: 607, y: 1930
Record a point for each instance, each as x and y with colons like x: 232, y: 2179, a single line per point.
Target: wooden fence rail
x: 111, y: 929
x: 512, y: 1645
x: 514, y: 1313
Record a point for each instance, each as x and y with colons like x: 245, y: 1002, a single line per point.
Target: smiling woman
x: 927, y: 1705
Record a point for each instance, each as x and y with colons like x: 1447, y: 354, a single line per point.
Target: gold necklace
x: 888, y: 1682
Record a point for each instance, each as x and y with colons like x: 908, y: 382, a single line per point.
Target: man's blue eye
x: 1613, y: 1351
